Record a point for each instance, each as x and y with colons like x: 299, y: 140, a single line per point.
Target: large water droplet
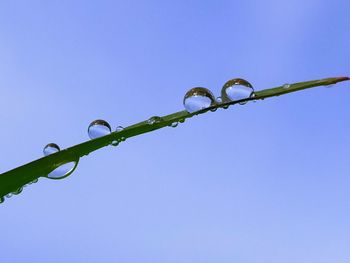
x: 236, y: 89
x: 154, y: 120
x: 50, y: 149
x: 63, y: 170
x: 99, y: 128
x: 197, y: 99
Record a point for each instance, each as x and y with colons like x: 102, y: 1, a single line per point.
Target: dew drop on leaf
x: 197, y: 99
x: 236, y: 89
x: 154, y: 120
x: 115, y: 143
x: 286, y: 86
x: 99, y: 128
x: 174, y: 124
x: 18, y: 191
x: 63, y: 170
x: 50, y: 149
x: 119, y: 128
x: 34, y: 181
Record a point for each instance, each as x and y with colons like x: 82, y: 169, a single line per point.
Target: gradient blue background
x: 264, y: 182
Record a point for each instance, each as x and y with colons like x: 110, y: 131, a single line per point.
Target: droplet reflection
x: 236, y: 89
x: 197, y: 99
x: 99, y: 128
x: 50, y: 149
x: 63, y: 170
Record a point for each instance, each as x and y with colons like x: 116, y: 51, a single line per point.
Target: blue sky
x: 264, y: 182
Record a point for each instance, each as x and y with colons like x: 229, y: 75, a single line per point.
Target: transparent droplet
x: 219, y: 99
x: 115, y: 143
x: 9, y: 195
x: 174, y: 124
x: 99, y: 128
x: 286, y: 86
x: 197, y: 99
x: 236, y: 89
x: 63, y: 170
x: 154, y: 120
x: 182, y: 120
x: 50, y: 149
x: 34, y: 181
x: 119, y: 128
x: 18, y: 191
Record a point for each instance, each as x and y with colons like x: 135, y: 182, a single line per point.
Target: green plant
x: 12, y: 182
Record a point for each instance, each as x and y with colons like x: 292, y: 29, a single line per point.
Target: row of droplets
x: 196, y: 99
x: 17, y: 192
x: 200, y: 98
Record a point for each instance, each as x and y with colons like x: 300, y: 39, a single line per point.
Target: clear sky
x: 264, y: 182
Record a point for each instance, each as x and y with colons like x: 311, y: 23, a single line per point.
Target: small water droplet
x: 63, y: 170
x: 18, y: 191
x: 50, y: 149
x: 236, y: 89
x: 9, y: 195
x: 99, y: 128
x: 119, y: 128
x: 174, y: 124
x: 219, y: 99
x: 197, y: 99
x: 2, y: 199
x: 115, y: 143
x: 181, y: 120
x: 154, y: 120
x: 226, y: 106
x: 122, y: 139
x: 34, y: 181
x: 286, y: 86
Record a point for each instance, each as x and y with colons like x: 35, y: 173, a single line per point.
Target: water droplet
x: 182, y: 120
x: 236, y: 89
x: 18, y: 191
x: 119, y: 128
x: 286, y: 86
x: 50, y: 149
x: 99, y: 128
x: 34, y: 181
x: 63, y: 170
x: 2, y: 199
x: 154, y: 120
x: 122, y: 139
x: 115, y: 143
x: 9, y: 195
x: 219, y: 99
x: 197, y: 99
x: 174, y: 124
